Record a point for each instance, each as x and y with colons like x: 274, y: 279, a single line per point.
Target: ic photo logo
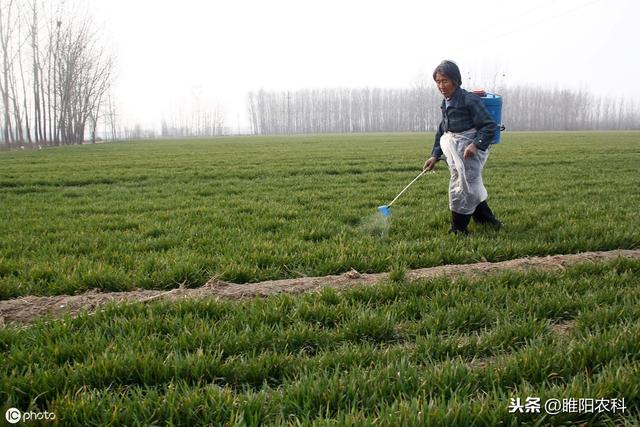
x: 14, y: 416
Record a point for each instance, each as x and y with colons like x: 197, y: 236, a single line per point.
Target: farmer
x: 464, y: 135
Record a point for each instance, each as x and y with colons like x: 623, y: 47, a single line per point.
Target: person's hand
x: 470, y: 151
x: 430, y: 164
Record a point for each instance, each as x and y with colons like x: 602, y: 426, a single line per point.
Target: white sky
x: 167, y: 51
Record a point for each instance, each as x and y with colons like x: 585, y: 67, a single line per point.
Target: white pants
x: 466, y: 189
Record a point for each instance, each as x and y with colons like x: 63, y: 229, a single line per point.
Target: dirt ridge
x: 30, y: 308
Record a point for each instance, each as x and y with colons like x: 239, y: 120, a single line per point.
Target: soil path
x: 27, y: 309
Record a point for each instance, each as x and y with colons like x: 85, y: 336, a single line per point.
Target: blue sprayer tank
x: 493, y: 102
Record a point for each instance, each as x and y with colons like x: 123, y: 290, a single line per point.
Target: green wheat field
x: 451, y: 352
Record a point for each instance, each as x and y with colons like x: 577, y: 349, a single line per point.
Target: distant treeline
x: 418, y: 109
x: 197, y: 124
x: 342, y: 110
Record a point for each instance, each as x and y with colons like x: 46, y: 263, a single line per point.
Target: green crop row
x: 402, y: 353
x: 159, y: 214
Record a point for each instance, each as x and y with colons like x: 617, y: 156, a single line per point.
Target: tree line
x: 56, y: 75
x: 417, y: 109
x: 537, y: 108
x: 194, y: 118
x: 341, y: 110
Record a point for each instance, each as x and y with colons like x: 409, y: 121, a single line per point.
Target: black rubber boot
x: 459, y: 223
x: 484, y: 215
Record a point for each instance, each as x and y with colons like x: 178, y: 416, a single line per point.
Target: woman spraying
x: 464, y: 134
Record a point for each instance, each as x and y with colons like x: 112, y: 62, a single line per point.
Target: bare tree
x: 55, y: 74
x: 6, y: 33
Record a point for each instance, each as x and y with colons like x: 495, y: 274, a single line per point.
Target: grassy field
x: 159, y: 214
x: 431, y: 352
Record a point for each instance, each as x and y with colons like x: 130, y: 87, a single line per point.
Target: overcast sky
x: 169, y: 51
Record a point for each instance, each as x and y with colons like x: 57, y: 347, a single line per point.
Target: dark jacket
x: 465, y: 111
